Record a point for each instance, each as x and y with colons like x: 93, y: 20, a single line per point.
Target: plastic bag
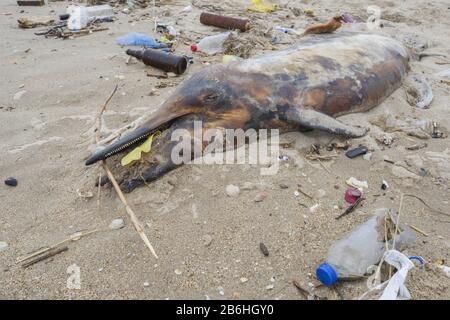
x: 139, y: 39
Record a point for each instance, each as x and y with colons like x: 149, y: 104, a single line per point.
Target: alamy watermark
x: 74, y: 280
x: 374, y: 20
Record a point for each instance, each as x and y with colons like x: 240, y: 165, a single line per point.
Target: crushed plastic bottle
x: 80, y: 16
x: 364, y: 246
x: 213, y: 44
x: 139, y: 39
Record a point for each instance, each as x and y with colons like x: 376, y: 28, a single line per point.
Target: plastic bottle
x: 80, y: 16
x: 363, y: 247
x: 212, y: 44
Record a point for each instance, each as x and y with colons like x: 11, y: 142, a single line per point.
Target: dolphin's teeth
x: 113, y: 152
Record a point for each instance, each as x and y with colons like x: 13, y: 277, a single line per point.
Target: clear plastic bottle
x: 363, y: 247
x: 213, y: 44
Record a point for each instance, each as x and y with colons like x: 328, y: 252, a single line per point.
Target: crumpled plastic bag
x: 394, y: 288
x: 259, y: 6
x: 139, y: 39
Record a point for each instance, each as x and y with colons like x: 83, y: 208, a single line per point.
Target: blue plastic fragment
x: 139, y: 39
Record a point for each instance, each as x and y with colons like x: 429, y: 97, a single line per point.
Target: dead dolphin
x: 303, y: 87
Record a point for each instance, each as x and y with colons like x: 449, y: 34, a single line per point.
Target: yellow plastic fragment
x: 227, y: 58
x: 259, y: 6
x: 136, y: 153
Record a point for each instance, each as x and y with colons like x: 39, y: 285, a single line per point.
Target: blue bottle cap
x: 326, y: 274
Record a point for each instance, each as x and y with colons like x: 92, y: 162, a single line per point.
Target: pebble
x: 264, y: 249
x: 207, y: 240
x: 146, y: 284
x: 248, y: 186
x: 3, y: 246
x: 269, y: 287
x: 232, y: 190
x: 367, y: 156
x: 314, y: 208
x: 244, y: 280
x: 260, y: 196
x: 19, y: 94
x: 320, y: 193
x: 12, y: 182
x: 283, y: 186
x: 117, y: 224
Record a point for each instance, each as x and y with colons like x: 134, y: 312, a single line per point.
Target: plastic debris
x: 229, y: 58
x: 353, y: 153
x: 309, y: 12
x: 194, y: 47
x: 81, y: 16
x: 445, y: 270
x: 364, y: 246
x: 136, y: 153
x: 352, y: 195
x: 187, y: 9
x: 360, y: 185
x: 394, y: 288
x: 3, y: 246
x: 347, y: 18
x: 117, y: 224
x: 139, y: 39
x: 213, y: 44
x: 418, y: 91
x: 260, y: 6
x: 384, y: 185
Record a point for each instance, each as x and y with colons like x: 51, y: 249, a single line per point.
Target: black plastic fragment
x: 359, y: 151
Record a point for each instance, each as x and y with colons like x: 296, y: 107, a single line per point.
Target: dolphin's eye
x: 212, y: 97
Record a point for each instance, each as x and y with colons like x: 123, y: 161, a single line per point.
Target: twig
x: 137, y: 225
x: 304, y: 193
x: 73, y: 237
x: 98, y: 118
x: 302, y: 290
x: 350, y: 208
x: 398, y: 220
x: 417, y: 229
x: 47, y: 255
x: 423, y: 201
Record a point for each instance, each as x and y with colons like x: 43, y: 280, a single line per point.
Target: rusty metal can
x: 211, y: 19
x: 161, y: 60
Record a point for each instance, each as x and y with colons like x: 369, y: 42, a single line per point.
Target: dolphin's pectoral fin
x: 312, y: 119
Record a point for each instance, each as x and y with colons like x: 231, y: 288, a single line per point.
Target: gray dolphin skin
x: 301, y: 88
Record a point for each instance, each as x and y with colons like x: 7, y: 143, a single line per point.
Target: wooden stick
x: 73, y: 237
x: 350, y: 208
x: 137, y: 225
x: 98, y: 118
x: 47, y: 255
x: 417, y: 229
x: 134, y: 219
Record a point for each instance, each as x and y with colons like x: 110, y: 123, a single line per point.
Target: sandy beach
x: 208, y: 243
